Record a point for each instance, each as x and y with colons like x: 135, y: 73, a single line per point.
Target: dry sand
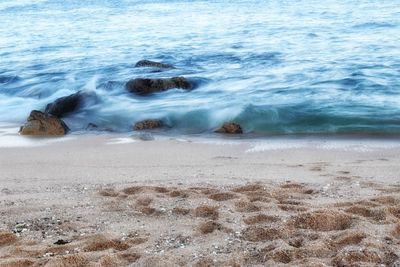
x: 118, y: 201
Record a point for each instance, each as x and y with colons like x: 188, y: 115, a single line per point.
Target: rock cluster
x: 49, y: 123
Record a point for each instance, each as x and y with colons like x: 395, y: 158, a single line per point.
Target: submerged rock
x: 144, y: 136
x: 148, y: 86
x: 67, y: 104
x: 153, y: 64
x: 148, y: 124
x: 41, y: 124
x: 64, y: 105
x: 230, y: 128
x: 92, y: 127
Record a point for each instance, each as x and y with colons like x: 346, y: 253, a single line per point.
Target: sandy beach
x: 119, y: 201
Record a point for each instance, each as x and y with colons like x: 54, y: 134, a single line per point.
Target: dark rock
x: 92, y: 127
x: 148, y: 124
x: 153, y: 64
x: 230, y: 128
x: 67, y: 104
x: 41, y: 124
x: 64, y: 105
x: 61, y: 242
x: 148, y: 86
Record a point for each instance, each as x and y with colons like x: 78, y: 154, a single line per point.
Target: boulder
x: 148, y: 124
x: 42, y: 124
x: 67, y: 104
x: 148, y: 86
x: 153, y: 64
x: 230, y: 128
x: 64, y: 105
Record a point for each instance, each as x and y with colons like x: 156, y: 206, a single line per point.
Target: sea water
x: 275, y: 67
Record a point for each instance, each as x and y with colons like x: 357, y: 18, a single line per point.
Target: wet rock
x: 145, y: 137
x: 230, y: 128
x: 148, y: 124
x: 92, y: 127
x: 64, y: 105
x: 153, y: 64
x: 67, y: 104
x: 148, y: 86
x: 41, y: 124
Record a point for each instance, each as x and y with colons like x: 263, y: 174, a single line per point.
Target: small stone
x: 61, y: 242
x: 230, y: 128
x: 153, y: 64
x: 148, y: 124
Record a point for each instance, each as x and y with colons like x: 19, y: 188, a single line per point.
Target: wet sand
x: 116, y: 201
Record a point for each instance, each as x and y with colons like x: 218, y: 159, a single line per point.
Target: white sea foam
x: 9, y: 137
x: 120, y: 141
x: 329, y: 144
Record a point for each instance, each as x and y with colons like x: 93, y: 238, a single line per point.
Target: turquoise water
x: 275, y: 67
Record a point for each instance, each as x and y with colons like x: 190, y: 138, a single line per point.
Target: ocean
x: 275, y: 67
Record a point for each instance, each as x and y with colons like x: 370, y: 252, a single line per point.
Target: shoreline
x: 109, y: 153
x: 9, y: 137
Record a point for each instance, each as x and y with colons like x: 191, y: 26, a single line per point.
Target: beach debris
x: 143, y: 86
x: 230, y: 128
x: 172, y: 242
x: 153, y: 64
x: 48, y: 254
x: 61, y: 242
x: 67, y: 104
x: 20, y: 227
x: 41, y: 124
x: 148, y: 124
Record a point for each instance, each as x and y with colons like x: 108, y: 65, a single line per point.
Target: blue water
x: 275, y: 67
